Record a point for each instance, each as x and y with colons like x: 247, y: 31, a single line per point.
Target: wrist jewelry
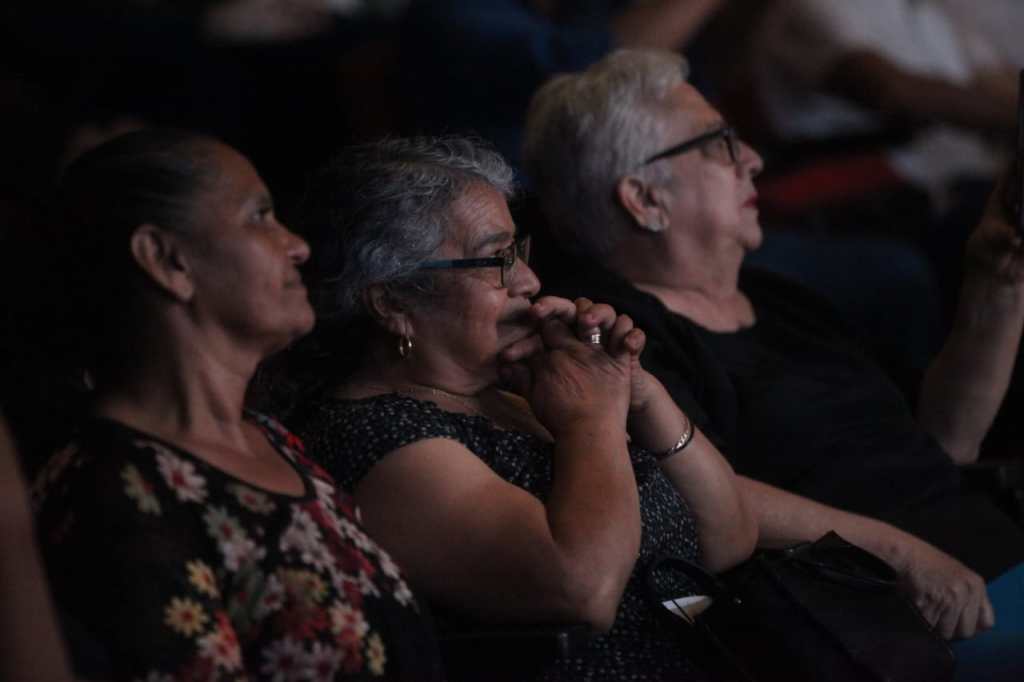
x: 681, y: 444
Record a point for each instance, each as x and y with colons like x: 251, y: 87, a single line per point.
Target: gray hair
x: 585, y: 131
x: 378, y: 210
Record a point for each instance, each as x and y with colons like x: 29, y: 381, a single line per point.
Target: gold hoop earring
x: 404, y: 346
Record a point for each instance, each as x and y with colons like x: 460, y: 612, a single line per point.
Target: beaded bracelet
x: 681, y: 444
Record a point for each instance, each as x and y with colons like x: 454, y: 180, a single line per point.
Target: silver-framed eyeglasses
x: 506, y: 259
x: 726, y: 146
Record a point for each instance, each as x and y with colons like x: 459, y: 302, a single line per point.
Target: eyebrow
x: 716, y: 125
x: 258, y: 200
x: 493, y: 238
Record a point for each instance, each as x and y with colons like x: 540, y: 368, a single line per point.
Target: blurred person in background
x: 470, y: 66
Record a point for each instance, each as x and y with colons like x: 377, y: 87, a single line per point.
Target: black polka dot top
x: 349, y: 436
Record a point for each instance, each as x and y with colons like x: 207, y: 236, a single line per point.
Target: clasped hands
x: 560, y: 364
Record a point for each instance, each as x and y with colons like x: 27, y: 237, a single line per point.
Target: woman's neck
x: 181, y: 392
x: 715, y: 310
x: 402, y: 376
x: 505, y: 409
x: 694, y: 284
x: 425, y: 367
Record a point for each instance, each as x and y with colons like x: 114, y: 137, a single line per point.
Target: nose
x: 524, y: 281
x: 750, y: 161
x: 298, y: 251
x: 296, y: 247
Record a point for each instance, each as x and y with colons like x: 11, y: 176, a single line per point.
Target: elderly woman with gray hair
x: 651, y: 188
x: 510, y: 451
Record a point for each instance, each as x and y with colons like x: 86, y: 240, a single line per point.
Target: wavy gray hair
x: 585, y: 131
x: 378, y: 210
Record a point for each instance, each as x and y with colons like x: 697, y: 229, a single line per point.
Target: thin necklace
x: 458, y: 398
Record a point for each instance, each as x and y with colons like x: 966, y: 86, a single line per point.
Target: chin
x: 296, y: 331
x: 299, y: 332
x: 755, y: 237
x: 305, y: 318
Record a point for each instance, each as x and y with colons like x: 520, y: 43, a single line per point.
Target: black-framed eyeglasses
x: 505, y: 259
x: 726, y: 149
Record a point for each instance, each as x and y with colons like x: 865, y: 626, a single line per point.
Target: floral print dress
x: 179, y: 571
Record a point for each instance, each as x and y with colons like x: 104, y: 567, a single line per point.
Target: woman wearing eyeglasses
x: 484, y: 433
x: 662, y: 222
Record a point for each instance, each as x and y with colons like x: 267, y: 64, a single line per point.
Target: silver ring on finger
x: 595, y: 337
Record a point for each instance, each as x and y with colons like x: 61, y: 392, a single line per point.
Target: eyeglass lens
x: 518, y: 250
x: 732, y: 144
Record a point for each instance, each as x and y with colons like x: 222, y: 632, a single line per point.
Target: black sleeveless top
x: 349, y: 436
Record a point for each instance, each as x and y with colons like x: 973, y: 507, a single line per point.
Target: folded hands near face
x: 561, y: 353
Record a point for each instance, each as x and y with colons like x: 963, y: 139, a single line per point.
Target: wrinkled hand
x: 568, y: 381
x: 994, y: 249
x: 950, y: 596
x: 619, y: 337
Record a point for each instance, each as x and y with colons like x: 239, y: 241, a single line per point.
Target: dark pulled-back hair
x: 147, y: 176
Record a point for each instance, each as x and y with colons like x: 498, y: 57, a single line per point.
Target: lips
x: 295, y: 281
x: 751, y: 202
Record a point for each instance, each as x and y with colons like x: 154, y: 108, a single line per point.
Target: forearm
x: 593, y: 512
x: 664, y: 24
x: 950, y: 596
x: 785, y: 519
x: 726, y: 527
x: 965, y: 384
x: 877, y: 83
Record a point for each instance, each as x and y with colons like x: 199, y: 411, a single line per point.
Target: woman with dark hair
x: 484, y: 433
x: 190, y: 537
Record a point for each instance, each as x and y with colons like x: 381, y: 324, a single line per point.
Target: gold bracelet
x: 681, y: 444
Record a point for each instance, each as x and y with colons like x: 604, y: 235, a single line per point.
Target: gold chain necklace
x: 457, y: 398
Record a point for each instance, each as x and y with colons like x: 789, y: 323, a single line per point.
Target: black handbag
x: 824, y: 610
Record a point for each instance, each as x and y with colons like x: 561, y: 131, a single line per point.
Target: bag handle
x: 844, y: 563
x: 732, y: 668
x: 705, y: 581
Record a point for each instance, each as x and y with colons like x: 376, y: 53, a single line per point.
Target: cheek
x: 721, y: 214
x: 470, y: 319
x: 481, y: 316
x: 718, y: 197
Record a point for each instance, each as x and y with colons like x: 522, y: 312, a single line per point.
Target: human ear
x: 643, y: 202
x: 158, y: 254
x: 389, y: 313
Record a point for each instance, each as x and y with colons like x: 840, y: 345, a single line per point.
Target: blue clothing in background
x: 472, y: 65
x: 994, y: 656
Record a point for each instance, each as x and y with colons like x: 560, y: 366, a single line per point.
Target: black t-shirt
x: 794, y: 402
